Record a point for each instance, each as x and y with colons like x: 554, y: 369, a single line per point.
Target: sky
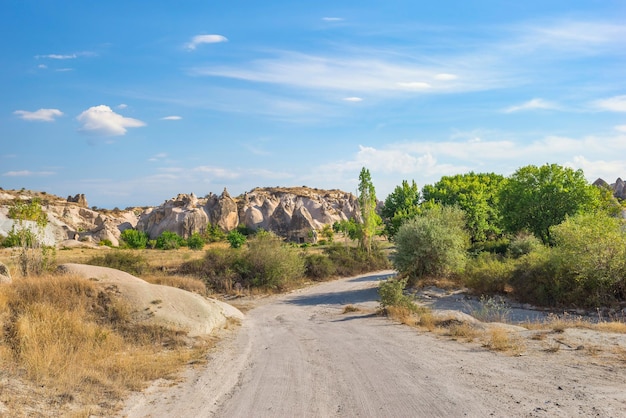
x: 134, y: 102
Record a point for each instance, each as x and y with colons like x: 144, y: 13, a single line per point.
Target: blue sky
x: 133, y: 102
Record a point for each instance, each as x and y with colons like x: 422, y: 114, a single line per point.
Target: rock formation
x: 292, y: 213
x: 618, y: 188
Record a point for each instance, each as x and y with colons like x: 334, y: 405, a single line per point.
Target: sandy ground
x: 299, y: 355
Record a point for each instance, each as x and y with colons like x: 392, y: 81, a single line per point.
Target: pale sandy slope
x: 299, y: 356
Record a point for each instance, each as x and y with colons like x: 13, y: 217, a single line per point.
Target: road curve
x: 299, y: 355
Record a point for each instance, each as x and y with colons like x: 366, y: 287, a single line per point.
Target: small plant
x: 491, y: 309
x: 499, y: 339
x: 134, y: 239
x: 236, y: 239
x: 127, y: 261
x: 391, y: 293
x: 350, y: 309
x: 195, y: 241
x: 169, y: 241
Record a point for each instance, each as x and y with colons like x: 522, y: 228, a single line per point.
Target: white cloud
x: 532, y: 105
x: 57, y: 56
x: 122, y: 106
x: 612, y: 104
x: 28, y: 173
x: 158, y: 157
x: 332, y: 19
x: 205, y: 39
x: 609, y: 171
x: 620, y: 128
x: 172, y: 118
x: 101, y: 120
x: 446, y: 77
x: 42, y: 66
x: 41, y: 115
x: 353, y: 99
x: 418, y: 85
x: 217, y: 172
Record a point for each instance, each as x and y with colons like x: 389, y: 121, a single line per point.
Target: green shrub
x: 271, y: 264
x: 216, y: 269
x: 432, y: 244
x: 195, y: 241
x: 128, y: 261
x: 169, y: 241
x: 522, y: 244
x: 391, y: 293
x: 134, y: 238
x: 236, y: 239
x: 214, y: 233
x: 105, y: 242
x: 349, y: 261
x: 488, y: 273
x: 319, y: 266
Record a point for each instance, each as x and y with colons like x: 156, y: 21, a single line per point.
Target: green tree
x: 367, y: 204
x: 536, y: 198
x: 400, y: 205
x: 477, y: 195
x: 432, y: 244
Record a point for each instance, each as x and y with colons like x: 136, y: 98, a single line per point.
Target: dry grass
x: 350, y: 309
x: 78, y: 343
x: 189, y: 284
x: 463, y: 330
x: 499, y: 339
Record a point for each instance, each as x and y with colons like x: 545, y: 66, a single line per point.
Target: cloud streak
x: 102, y: 121
x: 533, y: 104
x: 41, y: 115
x: 612, y: 104
x: 204, y: 39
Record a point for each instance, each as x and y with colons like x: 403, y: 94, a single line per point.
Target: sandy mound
x: 163, y: 305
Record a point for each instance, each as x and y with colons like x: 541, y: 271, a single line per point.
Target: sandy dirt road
x: 299, y: 355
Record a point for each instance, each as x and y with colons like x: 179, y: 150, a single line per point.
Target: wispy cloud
x: 172, y: 118
x: 217, y: 172
x: 532, y: 104
x: 101, y: 120
x: 57, y: 56
x: 353, y: 99
x: 621, y: 128
x: 28, y: 173
x: 158, y: 157
x: 332, y: 19
x: 41, y: 115
x: 204, y: 39
x: 612, y: 104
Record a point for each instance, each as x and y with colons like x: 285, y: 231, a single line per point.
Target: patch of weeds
x: 350, y: 309
x: 462, y: 330
x: 490, y: 309
x: 499, y: 339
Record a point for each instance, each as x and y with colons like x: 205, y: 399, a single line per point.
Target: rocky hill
x: 292, y: 213
x: 618, y: 188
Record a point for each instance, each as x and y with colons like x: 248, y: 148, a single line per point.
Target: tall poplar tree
x: 367, y: 203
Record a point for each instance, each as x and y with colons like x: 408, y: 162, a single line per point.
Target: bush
x: 169, y: 241
x: 391, y: 293
x: 349, y: 261
x: 195, y: 241
x: 488, y: 273
x: 522, y: 244
x: 271, y: 264
x: 236, y: 239
x: 217, y: 269
x: 134, y: 239
x: 130, y: 262
x: 432, y: 244
x: 319, y: 267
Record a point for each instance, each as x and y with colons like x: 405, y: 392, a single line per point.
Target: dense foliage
x: 434, y: 243
x: 401, y: 204
x: 367, y: 203
x: 537, y: 198
x: 477, y: 195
